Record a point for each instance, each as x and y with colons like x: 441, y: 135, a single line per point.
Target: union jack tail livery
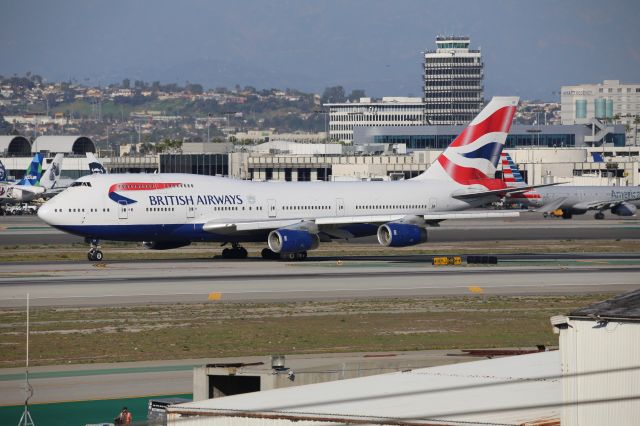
x: 471, y: 159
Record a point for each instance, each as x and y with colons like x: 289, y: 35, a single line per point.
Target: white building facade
x: 453, y: 73
x: 608, y: 102
x: 390, y: 111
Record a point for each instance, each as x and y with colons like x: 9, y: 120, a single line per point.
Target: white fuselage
x: 175, y: 206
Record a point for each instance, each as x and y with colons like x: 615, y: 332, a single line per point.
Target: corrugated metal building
x: 518, y: 390
x: 600, y: 355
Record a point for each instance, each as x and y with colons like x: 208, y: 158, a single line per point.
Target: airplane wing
x: 603, y: 204
x: 553, y: 205
x: 217, y: 226
x: 470, y: 193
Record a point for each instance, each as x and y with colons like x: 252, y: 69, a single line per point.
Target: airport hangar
x: 578, y: 154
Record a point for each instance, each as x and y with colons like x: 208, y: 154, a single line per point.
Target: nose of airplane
x: 44, y: 213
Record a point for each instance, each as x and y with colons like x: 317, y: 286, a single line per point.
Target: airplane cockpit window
x: 81, y: 184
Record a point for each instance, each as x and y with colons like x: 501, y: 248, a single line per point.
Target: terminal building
x: 453, y: 73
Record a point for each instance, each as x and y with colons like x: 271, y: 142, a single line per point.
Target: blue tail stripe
x: 490, y: 151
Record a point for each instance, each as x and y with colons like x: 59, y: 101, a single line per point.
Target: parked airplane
x: 621, y: 200
x: 26, y: 188
x: 172, y: 210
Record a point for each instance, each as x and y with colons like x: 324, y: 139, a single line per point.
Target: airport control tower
x: 453, y: 91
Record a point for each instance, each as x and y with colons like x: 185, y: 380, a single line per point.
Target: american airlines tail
x: 513, y: 179
x: 471, y: 159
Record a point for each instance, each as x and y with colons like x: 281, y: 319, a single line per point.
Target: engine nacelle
x: 401, y: 234
x: 292, y: 241
x: 624, y: 209
x: 165, y: 245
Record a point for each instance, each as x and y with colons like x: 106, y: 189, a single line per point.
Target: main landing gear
x: 271, y: 255
x: 94, y: 253
x: 599, y: 216
x: 235, y: 252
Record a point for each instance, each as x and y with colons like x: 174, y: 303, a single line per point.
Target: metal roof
x: 626, y: 305
x: 506, y: 391
x: 15, y: 146
x: 79, y: 145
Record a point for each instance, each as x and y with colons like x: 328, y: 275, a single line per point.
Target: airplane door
x: 340, y: 207
x: 433, y: 203
x: 122, y: 210
x: 271, y: 207
x: 191, y: 212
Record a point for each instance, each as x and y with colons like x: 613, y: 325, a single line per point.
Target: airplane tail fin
x: 95, y: 166
x: 510, y: 173
x: 472, y: 158
x: 51, y: 176
x: 33, y: 173
x: 513, y: 179
x: 3, y: 173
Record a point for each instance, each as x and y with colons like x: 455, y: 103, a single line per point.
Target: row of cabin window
x: 306, y: 207
x: 80, y: 210
x: 413, y: 206
x: 160, y: 209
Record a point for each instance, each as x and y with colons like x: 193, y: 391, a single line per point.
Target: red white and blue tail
x: 513, y: 179
x: 471, y: 159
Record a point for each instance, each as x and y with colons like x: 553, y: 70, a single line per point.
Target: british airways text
x: 206, y: 200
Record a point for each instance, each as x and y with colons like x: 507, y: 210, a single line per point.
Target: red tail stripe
x: 469, y: 176
x: 499, y: 121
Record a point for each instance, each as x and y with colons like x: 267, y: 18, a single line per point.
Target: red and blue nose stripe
x: 135, y: 186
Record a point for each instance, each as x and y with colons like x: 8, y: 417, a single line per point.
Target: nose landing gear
x: 94, y: 254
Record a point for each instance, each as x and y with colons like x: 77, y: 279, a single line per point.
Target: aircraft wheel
x: 566, y: 214
x: 288, y: 256
x: 242, y: 253
x: 90, y: 256
x: 226, y: 253
x: 97, y: 255
x: 301, y: 255
x: 599, y: 216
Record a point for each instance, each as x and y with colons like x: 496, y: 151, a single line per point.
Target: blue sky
x: 530, y: 48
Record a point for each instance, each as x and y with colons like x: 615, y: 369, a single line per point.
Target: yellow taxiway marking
x: 475, y: 289
x: 215, y: 296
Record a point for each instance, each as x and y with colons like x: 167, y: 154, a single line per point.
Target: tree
x: 5, y: 127
x: 333, y: 94
x: 356, y: 94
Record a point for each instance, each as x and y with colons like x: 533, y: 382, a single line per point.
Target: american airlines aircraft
x: 621, y: 200
x: 172, y: 210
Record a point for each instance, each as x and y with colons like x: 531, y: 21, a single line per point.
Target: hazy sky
x: 530, y: 48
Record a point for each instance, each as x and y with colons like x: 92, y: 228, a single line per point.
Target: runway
x: 30, y: 230
x: 108, y: 284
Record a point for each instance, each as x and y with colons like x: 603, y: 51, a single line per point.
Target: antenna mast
x: 26, y: 419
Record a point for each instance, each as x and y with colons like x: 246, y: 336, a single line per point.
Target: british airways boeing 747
x: 172, y: 210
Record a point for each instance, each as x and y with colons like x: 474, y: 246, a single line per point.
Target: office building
x: 390, y: 111
x: 601, y: 105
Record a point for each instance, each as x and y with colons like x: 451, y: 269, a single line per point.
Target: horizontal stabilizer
x: 470, y: 193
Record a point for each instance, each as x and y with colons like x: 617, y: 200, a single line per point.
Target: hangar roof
x: 15, y: 146
x: 515, y: 390
x: 78, y: 145
x: 626, y: 305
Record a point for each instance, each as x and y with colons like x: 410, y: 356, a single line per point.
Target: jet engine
x: 165, y: 245
x: 624, y: 209
x: 292, y: 241
x: 401, y: 234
